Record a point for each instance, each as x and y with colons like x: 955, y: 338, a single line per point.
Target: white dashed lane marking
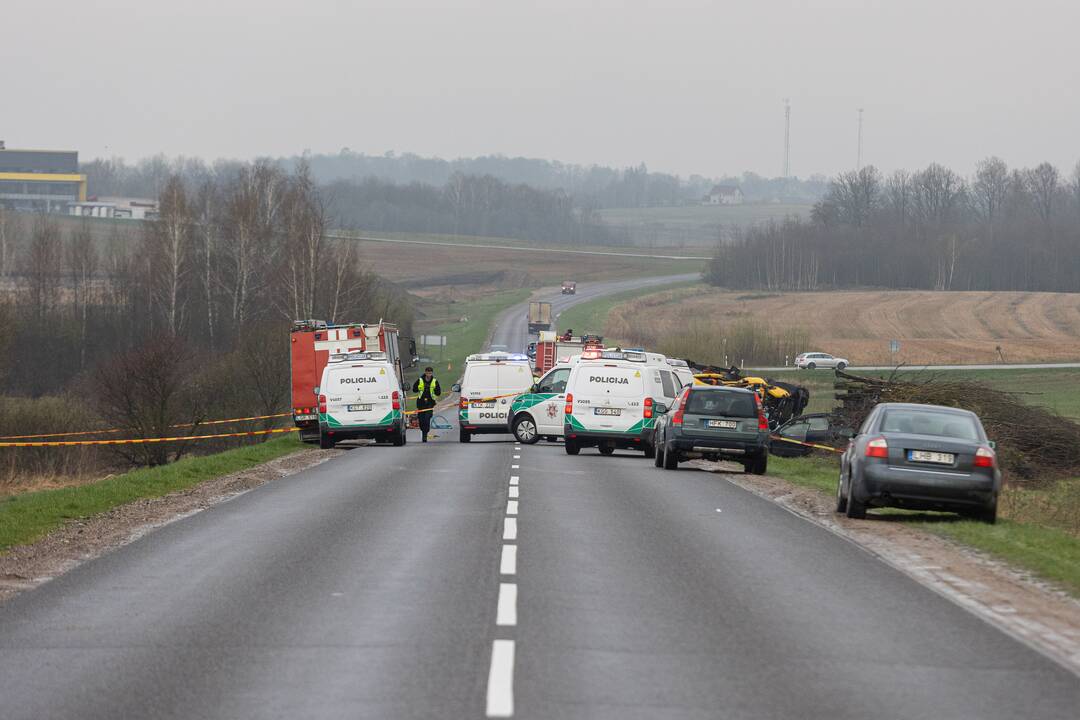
x: 509, y: 528
x: 511, y: 507
x: 506, y: 615
x: 513, y: 491
x: 500, y: 690
x: 508, y: 564
x: 513, y: 479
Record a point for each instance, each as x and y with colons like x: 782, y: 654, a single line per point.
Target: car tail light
x: 647, y: 412
x: 677, y: 418
x: 762, y: 421
x: 878, y: 448
x: 322, y: 404
x: 569, y: 409
x: 985, y: 457
x: 395, y: 401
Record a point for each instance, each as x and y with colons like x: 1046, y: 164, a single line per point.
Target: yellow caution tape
x: 134, y: 441
x: 116, y: 430
x: 806, y: 444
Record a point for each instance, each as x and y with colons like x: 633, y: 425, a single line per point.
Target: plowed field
x: 931, y: 327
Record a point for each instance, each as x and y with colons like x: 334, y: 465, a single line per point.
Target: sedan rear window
x: 929, y: 422
x: 725, y: 404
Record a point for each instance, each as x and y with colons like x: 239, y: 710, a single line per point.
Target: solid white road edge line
x: 500, y: 689
x: 509, y: 528
x: 511, y: 507
x: 506, y: 614
x: 508, y: 562
x: 513, y: 491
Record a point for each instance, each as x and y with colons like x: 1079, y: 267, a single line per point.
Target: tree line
x: 197, y: 302
x: 1001, y: 229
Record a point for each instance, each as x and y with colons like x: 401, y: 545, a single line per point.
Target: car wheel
x: 650, y: 449
x: 855, y: 510
x: 987, y: 515
x: 525, y: 430
x: 841, y: 501
x: 810, y: 366
x: 841, y: 366
x: 757, y: 464
x: 572, y: 448
x: 326, y: 442
x: 606, y: 450
x: 464, y: 436
x: 671, y: 458
x: 399, y: 439
x: 658, y: 456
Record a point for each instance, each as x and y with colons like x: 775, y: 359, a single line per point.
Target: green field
x: 693, y: 225
x: 28, y: 516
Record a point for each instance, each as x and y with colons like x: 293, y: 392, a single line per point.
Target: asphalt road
x: 454, y: 580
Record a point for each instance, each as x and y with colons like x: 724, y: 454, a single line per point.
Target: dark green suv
x: 713, y: 423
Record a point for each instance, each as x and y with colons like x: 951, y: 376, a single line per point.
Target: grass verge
x: 27, y: 517
x: 1048, y: 550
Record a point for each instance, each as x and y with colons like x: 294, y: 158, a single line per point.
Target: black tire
x: 572, y: 448
x: 841, y: 501
x: 671, y: 458
x: 841, y: 366
x: 988, y: 515
x: 326, y: 442
x: 810, y: 366
x: 650, y: 450
x: 658, y: 456
x: 855, y: 509
x: 525, y: 430
x: 399, y: 439
x: 464, y: 435
x: 606, y: 449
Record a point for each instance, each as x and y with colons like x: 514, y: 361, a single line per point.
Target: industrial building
x: 40, y: 179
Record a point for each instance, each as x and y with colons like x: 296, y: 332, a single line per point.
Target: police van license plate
x: 360, y: 408
x: 608, y: 411
x: 931, y: 457
x: 477, y: 404
x: 727, y: 424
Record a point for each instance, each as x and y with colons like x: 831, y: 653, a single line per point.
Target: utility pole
x: 787, y: 138
x: 858, y: 156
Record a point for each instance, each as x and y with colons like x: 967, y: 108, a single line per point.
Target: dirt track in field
x: 932, y: 327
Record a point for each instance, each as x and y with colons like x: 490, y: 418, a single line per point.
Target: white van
x: 361, y: 396
x: 489, y: 383
x: 682, y: 371
x: 612, y: 399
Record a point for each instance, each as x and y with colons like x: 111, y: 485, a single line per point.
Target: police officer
x: 427, y: 389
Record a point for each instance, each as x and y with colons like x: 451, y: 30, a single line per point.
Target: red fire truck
x: 312, y: 342
x: 551, y: 348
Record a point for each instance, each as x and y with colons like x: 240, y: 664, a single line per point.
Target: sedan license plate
x: 607, y: 411
x: 726, y: 424
x: 926, y: 456
x: 360, y: 408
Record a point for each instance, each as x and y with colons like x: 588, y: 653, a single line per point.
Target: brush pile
x: 1032, y: 442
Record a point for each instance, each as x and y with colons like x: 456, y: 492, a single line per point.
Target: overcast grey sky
x: 687, y: 87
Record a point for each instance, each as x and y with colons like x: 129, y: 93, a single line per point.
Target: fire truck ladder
x: 547, y: 355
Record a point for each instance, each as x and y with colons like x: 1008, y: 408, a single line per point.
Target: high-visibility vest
x: 422, y: 385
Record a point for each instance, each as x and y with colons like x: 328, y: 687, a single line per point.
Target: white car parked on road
x: 813, y: 360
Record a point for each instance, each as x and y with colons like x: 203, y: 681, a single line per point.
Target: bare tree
x: 82, y: 262
x: 170, y: 251
x: 1042, y: 184
x: 303, y: 223
x: 206, y: 217
x: 990, y: 190
x: 42, y: 267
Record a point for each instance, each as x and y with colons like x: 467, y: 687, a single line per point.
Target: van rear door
x: 608, y: 397
x: 358, y: 395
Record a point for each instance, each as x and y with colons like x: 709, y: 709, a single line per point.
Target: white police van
x: 361, y: 396
x: 612, y: 399
x: 490, y: 381
x: 539, y: 413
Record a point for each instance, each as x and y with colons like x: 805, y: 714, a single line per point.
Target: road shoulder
x: 24, y: 567
x: 1032, y: 611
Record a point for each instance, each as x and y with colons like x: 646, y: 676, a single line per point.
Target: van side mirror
x: 456, y: 387
x: 536, y: 386
x: 993, y: 445
x: 846, y: 433
x: 315, y: 390
x: 660, y: 407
